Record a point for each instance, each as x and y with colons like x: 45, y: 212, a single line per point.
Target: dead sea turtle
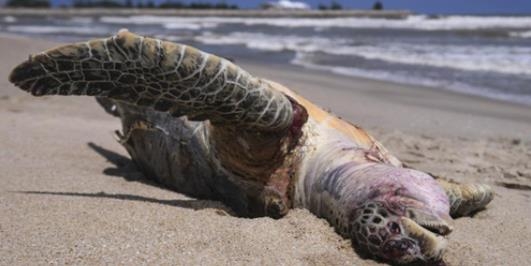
x: 201, y: 125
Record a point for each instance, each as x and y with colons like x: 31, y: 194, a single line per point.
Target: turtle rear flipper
x: 466, y: 199
x: 163, y: 75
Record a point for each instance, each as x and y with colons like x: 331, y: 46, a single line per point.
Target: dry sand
x: 70, y: 195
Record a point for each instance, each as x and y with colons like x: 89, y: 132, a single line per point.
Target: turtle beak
x: 431, y: 245
x: 430, y: 221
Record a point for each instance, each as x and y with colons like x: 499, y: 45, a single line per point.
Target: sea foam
x: 301, y: 60
x: 416, y: 22
x: 35, y: 29
x: 520, y: 34
x: 488, y: 58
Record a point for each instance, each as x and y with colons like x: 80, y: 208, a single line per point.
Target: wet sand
x: 70, y: 195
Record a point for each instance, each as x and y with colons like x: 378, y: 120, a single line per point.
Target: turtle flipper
x: 466, y: 199
x: 252, y: 128
x: 108, y: 105
x: 149, y: 72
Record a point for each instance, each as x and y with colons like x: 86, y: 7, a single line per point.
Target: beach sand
x: 70, y: 195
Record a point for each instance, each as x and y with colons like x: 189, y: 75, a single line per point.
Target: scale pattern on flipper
x: 167, y: 76
x: 466, y: 199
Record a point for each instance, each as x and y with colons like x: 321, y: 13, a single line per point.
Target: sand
x: 70, y: 195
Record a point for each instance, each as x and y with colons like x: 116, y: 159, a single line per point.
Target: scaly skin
x: 148, y: 72
x: 261, y: 148
x: 466, y: 199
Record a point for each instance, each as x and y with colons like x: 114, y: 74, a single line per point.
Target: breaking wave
x: 9, y: 19
x: 520, y: 34
x: 500, y: 59
x: 416, y: 22
x: 34, y: 29
x: 301, y: 59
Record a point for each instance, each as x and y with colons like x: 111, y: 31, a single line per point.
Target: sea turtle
x: 201, y: 125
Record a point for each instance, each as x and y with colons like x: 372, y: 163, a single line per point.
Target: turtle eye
x: 393, y: 227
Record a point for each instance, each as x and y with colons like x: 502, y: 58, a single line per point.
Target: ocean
x: 488, y: 56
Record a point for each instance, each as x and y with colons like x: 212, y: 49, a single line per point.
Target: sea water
x: 488, y: 56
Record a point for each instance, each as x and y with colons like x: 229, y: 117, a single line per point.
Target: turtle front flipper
x: 167, y: 76
x: 253, y: 127
x: 466, y: 199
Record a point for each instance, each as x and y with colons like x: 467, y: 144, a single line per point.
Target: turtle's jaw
x: 413, y: 243
x: 429, y: 221
x: 423, y: 232
x: 439, y: 229
x: 431, y: 245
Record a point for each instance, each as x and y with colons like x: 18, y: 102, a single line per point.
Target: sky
x: 417, y: 6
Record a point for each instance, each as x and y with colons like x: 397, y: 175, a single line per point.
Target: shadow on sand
x: 126, y: 169
x: 189, y: 204
x: 123, y: 167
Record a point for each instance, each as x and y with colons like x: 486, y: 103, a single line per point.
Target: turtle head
x: 403, y: 216
x: 397, y: 237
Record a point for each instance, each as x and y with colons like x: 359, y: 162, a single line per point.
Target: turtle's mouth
x: 431, y: 244
x: 430, y: 222
x: 436, y: 228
